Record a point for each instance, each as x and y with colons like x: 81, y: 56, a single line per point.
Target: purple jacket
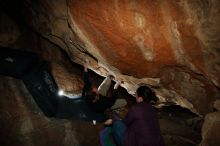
x: 142, y: 126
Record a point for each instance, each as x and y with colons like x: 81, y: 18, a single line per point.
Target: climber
x: 96, y: 98
x: 140, y: 127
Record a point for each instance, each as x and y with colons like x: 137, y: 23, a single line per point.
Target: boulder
x: 211, y: 130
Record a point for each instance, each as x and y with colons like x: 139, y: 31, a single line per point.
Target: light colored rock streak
x: 174, y: 37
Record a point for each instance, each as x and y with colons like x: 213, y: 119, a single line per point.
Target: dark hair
x: 146, y: 93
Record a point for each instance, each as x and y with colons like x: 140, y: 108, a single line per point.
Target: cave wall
x: 151, y: 35
x: 176, y: 42
x: 178, y: 57
x: 14, y: 34
x: 173, y: 46
x: 211, y: 127
x: 22, y: 123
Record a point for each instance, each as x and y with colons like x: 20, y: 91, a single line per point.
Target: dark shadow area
x: 175, y: 110
x: 77, y: 109
x: 181, y: 115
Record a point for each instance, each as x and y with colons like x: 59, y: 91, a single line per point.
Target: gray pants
x: 103, y: 90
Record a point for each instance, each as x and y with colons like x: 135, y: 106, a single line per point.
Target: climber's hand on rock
x: 117, y: 84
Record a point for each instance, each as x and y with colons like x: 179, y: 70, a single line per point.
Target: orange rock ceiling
x: 140, y: 37
x: 173, y: 41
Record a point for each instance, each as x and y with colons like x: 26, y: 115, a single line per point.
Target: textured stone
x: 9, y: 31
x: 217, y: 105
x: 211, y: 130
x: 158, y: 33
x: 143, y: 38
x: 71, y: 83
x: 23, y: 124
x: 192, y: 91
x: 137, y: 41
x: 21, y: 120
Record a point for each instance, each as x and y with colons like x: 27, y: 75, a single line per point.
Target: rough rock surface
x: 147, y: 39
x: 217, y: 105
x: 23, y: 124
x: 66, y: 79
x: 173, y: 45
x: 211, y: 130
x: 211, y: 127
